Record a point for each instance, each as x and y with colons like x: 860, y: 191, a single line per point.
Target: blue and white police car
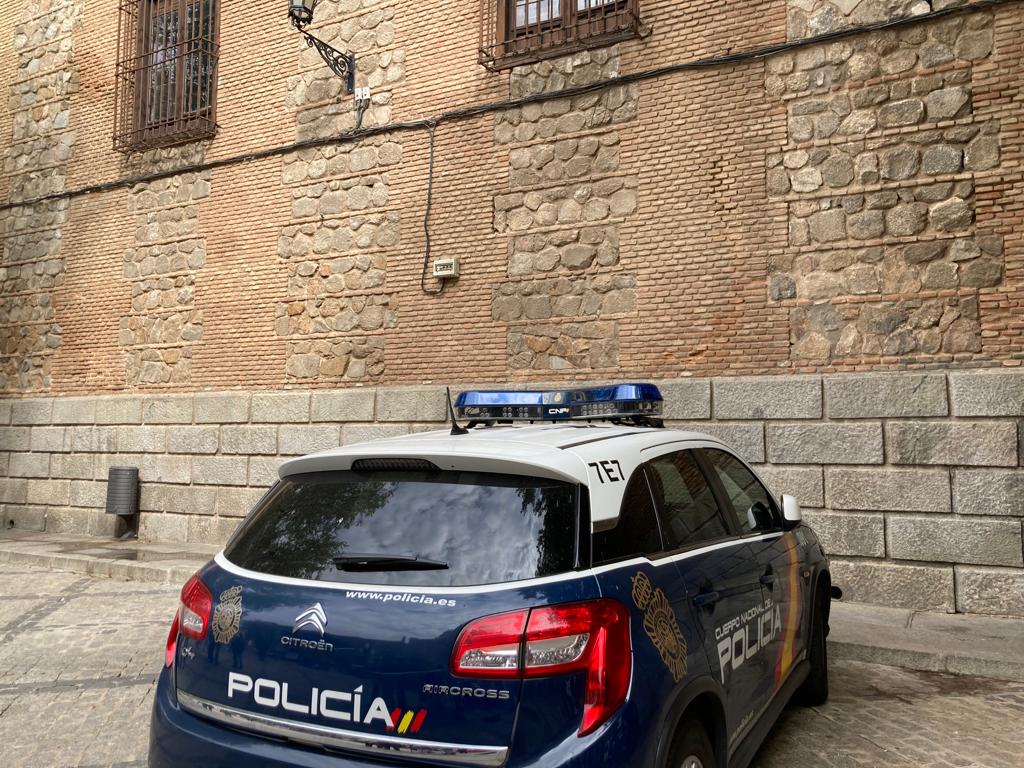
x: 584, y: 589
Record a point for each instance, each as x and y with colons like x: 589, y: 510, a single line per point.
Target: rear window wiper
x: 364, y: 562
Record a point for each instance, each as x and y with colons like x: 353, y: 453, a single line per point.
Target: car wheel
x: 814, y: 690
x: 693, y: 747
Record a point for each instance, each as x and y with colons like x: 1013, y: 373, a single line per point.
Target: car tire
x: 814, y: 690
x: 693, y: 747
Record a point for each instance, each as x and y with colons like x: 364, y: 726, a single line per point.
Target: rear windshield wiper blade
x: 364, y: 562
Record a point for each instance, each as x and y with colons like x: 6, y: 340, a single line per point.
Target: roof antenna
x: 456, y: 429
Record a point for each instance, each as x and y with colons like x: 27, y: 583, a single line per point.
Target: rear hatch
x: 339, y: 602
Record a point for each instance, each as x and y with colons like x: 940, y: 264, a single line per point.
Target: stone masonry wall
x: 344, y: 218
x: 164, y: 325
x: 914, y: 481
x: 887, y: 257
x: 568, y: 195
x: 35, y: 164
x: 365, y: 28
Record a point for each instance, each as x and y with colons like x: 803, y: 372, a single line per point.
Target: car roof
x: 598, y: 455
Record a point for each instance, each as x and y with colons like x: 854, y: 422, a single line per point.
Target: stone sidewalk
x: 125, y: 560
x: 988, y: 646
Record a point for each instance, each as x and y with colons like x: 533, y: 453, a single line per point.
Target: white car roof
x: 599, y: 456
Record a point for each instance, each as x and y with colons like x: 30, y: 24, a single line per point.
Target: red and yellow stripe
x: 408, y: 722
x: 791, y: 611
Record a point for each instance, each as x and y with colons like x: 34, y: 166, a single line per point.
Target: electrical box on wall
x: 446, y: 268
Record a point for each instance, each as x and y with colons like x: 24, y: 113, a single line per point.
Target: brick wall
x: 841, y: 207
x: 913, y: 480
x: 849, y: 207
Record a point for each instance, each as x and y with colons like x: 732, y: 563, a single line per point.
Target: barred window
x: 515, y: 32
x: 166, y: 73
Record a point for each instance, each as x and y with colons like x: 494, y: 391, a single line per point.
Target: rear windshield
x: 464, y: 528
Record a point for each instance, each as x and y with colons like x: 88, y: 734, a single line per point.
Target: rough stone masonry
x: 818, y: 255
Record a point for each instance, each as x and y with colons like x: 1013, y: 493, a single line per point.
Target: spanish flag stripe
x: 406, y: 721
x: 791, y: 620
x: 395, y: 714
x: 420, y: 716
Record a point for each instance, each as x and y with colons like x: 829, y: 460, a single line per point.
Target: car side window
x: 755, y: 510
x: 636, y: 534
x: 685, y: 503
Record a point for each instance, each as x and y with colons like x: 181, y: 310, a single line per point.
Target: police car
x: 562, y: 584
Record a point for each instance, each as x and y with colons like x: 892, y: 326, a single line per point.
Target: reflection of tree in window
x: 753, y: 504
x: 556, y: 514
x: 303, y: 534
x: 487, y: 528
x: 688, y: 509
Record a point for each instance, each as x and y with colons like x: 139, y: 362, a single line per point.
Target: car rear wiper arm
x: 364, y: 562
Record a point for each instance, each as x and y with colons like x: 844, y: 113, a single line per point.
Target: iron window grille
x: 166, y: 77
x: 514, y: 32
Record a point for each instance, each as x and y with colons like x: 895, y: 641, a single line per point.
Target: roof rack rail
x: 635, y: 404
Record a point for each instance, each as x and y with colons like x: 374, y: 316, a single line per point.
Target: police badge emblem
x: 661, y: 625
x: 227, y: 615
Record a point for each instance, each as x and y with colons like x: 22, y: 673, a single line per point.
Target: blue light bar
x: 616, y: 401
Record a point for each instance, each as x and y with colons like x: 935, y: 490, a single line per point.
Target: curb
x: 925, y: 661
x: 113, y: 569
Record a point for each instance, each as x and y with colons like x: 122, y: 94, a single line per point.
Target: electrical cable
x: 426, y: 220
x: 475, y: 110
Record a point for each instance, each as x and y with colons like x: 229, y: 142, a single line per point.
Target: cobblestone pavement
x: 79, y: 658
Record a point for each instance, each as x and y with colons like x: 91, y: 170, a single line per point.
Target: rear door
x: 720, y: 572
x: 313, y: 623
x: 778, y: 554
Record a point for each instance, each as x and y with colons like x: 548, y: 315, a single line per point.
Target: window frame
x: 505, y: 44
x: 725, y: 502
x: 141, y: 62
x: 732, y: 532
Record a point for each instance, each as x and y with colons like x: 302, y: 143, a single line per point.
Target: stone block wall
x: 365, y: 28
x: 914, y: 481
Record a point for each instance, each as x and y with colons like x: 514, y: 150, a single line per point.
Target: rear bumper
x: 179, y: 739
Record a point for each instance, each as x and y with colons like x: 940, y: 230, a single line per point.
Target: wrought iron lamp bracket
x: 341, y: 64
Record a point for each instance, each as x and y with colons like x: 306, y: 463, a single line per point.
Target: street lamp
x: 342, y: 64
x: 301, y: 12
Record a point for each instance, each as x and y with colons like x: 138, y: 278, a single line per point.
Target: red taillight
x: 172, y: 642
x: 196, y: 604
x: 491, y: 647
x: 609, y: 666
x: 591, y: 637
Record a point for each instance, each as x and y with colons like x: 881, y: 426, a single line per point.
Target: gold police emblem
x: 661, y: 625
x: 227, y: 615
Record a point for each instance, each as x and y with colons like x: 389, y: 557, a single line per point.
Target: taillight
x: 196, y: 604
x: 590, y: 637
x: 172, y: 642
x: 491, y: 647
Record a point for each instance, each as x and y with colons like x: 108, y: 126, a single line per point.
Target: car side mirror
x: 790, y: 512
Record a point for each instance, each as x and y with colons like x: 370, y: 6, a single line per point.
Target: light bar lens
x: 610, y: 402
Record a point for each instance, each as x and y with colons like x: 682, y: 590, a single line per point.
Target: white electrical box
x: 446, y: 268
x: 362, y: 94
